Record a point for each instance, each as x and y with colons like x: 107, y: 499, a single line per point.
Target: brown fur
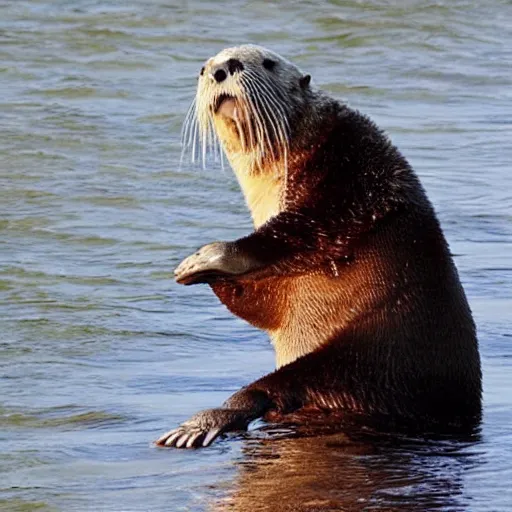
x: 347, y: 270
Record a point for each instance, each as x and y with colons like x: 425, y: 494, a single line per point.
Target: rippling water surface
x: 101, y: 352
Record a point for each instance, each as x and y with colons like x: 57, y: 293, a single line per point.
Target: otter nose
x: 220, y: 73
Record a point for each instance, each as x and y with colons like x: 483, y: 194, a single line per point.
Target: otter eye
x: 202, y: 71
x: 269, y: 64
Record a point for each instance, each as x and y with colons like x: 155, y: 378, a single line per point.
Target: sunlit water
x: 101, y: 351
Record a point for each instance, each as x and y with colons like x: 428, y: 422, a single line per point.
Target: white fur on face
x: 247, y: 114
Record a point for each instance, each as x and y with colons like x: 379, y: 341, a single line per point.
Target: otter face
x: 247, y: 97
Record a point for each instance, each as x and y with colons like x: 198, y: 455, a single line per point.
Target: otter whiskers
x: 260, y: 119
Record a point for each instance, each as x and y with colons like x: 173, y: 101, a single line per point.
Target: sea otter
x: 347, y: 270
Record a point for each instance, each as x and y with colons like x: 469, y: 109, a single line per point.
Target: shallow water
x: 101, y: 351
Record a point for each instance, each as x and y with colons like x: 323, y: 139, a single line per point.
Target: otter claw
x: 192, y: 439
x: 211, y: 436
x: 171, y: 438
x: 181, y: 440
x: 168, y: 438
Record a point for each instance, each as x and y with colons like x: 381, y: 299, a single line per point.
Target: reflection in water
x: 351, y: 471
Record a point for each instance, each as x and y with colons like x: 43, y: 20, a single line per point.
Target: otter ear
x: 304, y: 81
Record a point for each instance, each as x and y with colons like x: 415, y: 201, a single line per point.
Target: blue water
x: 101, y: 351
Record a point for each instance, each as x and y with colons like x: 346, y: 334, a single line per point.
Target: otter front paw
x: 203, y: 428
x: 211, y: 261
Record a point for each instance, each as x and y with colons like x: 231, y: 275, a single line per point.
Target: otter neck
x: 263, y: 196
x: 263, y: 189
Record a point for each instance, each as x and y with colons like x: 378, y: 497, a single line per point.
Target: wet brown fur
x: 378, y: 276
x: 354, y: 282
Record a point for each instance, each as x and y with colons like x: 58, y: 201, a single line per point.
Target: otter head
x: 248, y: 104
x: 247, y: 98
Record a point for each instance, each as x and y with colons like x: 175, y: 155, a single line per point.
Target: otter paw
x: 203, y: 428
x: 212, y: 260
x: 187, y: 437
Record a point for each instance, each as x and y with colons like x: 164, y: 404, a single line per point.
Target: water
x: 101, y: 352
